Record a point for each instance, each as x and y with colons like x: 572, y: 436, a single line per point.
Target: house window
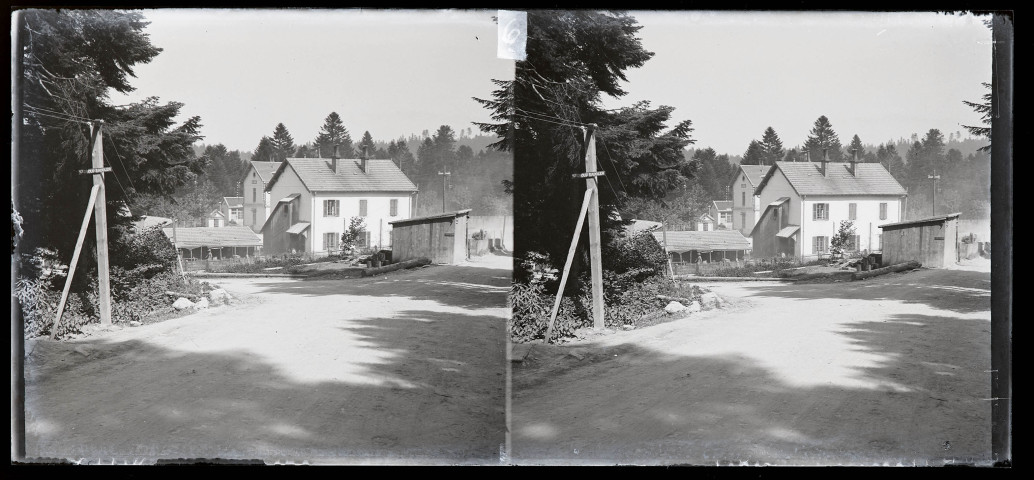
x: 821, y: 211
x: 743, y: 185
x: 362, y: 208
x: 879, y: 241
x: 820, y: 244
x: 331, y: 208
x: 254, y: 195
x: 254, y: 216
x: 394, y: 207
x: 883, y: 211
x: 330, y: 241
x: 743, y: 199
x: 254, y: 182
x: 743, y: 219
x: 852, y: 211
x: 852, y: 243
x: 364, y: 239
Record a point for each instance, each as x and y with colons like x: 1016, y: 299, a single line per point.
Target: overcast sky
x: 879, y: 75
x: 390, y: 72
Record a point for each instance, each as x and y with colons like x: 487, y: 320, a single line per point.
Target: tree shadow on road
x: 416, y: 403
x: 465, y: 287
x: 918, y: 399
x: 956, y: 290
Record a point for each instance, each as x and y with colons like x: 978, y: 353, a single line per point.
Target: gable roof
x: 754, y: 173
x: 721, y: 205
x: 264, y: 169
x: 806, y: 178
x: 233, y: 202
x: 216, y: 213
x: 214, y: 237
x: 684, y: 241
x: 381, y: 175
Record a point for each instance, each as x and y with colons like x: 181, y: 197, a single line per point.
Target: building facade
x: 323, y: 195
x: 255, y: 203
x: 746, y: 205
x: 818, y: 196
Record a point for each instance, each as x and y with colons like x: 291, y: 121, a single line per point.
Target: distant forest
x: 477, y: 173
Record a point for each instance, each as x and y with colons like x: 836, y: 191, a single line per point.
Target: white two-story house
x: 315, y: 198
x: 255, y: 202
x: 806, y: 201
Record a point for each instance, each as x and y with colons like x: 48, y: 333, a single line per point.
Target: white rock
x: 710, y: 300
x: 219, y: 297
x: 628, y: 327
x: 134, y: 323
x: 182, y: 303
x: 203, y: 303
x: 693, y: 307
x: 675, y: 307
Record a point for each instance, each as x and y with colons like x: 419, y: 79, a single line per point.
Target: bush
x: 625, y: 304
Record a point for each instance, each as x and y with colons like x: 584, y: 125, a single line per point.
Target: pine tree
x: 264, y: 152
x: 772, y: 147
x: 70, y: 61
x: 984, y: 109
x: 573, y: 59
x: 333, y: 132
x: 755, y: 154
x: 823, y: 137
x: 366, y: 142
x: 282, y: 143
x: 856, y: 151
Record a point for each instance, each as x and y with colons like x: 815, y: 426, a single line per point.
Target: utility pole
x: 595, y: 257
x: 445, y: 175
x: 590, y: 208
x: 933, y: 188
x: 101, y: 223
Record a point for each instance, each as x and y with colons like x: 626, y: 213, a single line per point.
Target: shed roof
x: 641, y: 226
x: 298, y: 228
x: 939, y: 218
x: 214, y: 237
x: 233, y: 202
x: 381, y: 175
x: 684, y: 241
x: 457, y: 213
x: 806, y: 178
x: 788, y: 231
x: 722, y: 205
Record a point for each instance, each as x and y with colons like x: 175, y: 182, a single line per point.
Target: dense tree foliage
x: 574, y: 58
x: 70, y: 60
x: 282, y: 143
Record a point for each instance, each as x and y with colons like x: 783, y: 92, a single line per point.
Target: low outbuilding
x: 932, y: 241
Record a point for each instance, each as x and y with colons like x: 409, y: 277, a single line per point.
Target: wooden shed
x: 932, y: 241
x: 441, y: 238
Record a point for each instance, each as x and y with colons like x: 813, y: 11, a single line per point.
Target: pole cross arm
x: 95, y: 171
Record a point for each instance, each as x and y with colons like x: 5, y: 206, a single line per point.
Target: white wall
x: 778, y: 187
x: 866, y: 222
x: 378, y: 214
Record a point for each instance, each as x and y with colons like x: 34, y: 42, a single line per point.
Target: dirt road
x: 408, y: 367
x: 882, y: 371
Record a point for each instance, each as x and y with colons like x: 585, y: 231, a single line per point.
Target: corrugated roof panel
x: 684, y: 241
x: 214, y: 237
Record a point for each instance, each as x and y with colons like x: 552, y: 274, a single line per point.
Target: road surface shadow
x: 132, y: 400
x: 465, y: 287
x: 922, y: 403
x: 956, y: 290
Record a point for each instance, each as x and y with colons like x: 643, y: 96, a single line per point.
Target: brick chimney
x: 333, y: 160
x: 851, y: 167
x: 362, y: 159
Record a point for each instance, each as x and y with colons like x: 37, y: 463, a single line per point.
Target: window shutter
x: 362, y: 208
